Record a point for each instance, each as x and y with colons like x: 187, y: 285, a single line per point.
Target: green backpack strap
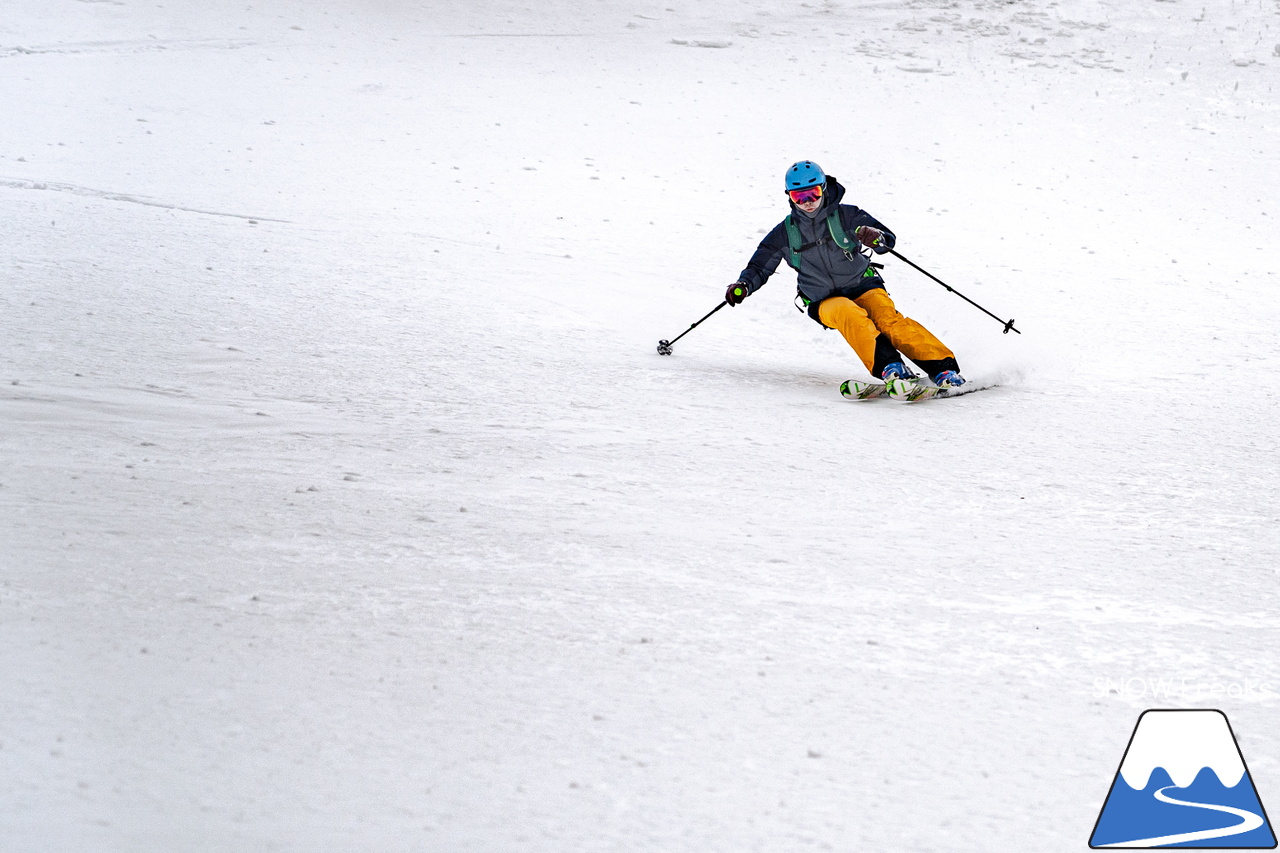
x: 793, y: 240
x: 837, y: 233
x: 834, y: 226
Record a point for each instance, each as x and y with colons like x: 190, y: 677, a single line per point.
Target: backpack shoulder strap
x: 837, y: 232
x: 793, y: 242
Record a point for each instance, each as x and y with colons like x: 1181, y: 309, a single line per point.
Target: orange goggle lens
x: 806, y: 195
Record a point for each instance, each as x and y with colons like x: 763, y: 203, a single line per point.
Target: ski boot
x: 900, y: 382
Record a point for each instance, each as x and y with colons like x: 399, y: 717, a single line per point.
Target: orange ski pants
x: 873, y: 313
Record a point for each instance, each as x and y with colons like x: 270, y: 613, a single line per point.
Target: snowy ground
x: 347, y: 506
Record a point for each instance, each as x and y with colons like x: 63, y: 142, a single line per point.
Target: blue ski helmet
x: 806, y: 173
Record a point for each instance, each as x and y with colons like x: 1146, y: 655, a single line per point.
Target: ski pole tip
x: 664, y: 347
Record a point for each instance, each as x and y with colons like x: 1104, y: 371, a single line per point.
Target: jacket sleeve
x: 853, y: 217
x: 765, y: 261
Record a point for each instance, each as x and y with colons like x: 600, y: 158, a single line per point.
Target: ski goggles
x: 806, y: 195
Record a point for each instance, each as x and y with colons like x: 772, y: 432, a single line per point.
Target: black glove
x: 736, y: 292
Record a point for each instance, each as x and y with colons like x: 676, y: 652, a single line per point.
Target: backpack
x: 841, y: 239
x: 834, y: 226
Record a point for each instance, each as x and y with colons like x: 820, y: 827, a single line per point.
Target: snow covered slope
x: 345, y: 504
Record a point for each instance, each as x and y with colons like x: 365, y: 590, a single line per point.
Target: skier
x: 838, y: 283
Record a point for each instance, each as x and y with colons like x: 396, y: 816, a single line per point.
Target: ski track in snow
x: 379, y: 523
x: 113, y: 196
x: 125, y: 47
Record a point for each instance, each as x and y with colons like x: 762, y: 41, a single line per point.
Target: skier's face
x: 807, y: 199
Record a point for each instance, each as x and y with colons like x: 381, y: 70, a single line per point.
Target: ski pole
x: 1008, y: 325
x: 664, y: 347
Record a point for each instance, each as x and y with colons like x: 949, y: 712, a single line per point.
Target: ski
x: 911, y: 390
x: 904, y: 391
x: 908, y: 391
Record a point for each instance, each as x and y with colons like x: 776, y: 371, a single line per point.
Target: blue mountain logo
x: 1183, y: 783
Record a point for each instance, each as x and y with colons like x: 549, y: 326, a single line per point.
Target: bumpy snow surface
x: 346, y: 505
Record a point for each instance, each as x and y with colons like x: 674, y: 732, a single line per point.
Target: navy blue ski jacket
x: 825, y: 269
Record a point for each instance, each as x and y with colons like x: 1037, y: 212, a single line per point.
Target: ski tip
x: 852, y: 389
